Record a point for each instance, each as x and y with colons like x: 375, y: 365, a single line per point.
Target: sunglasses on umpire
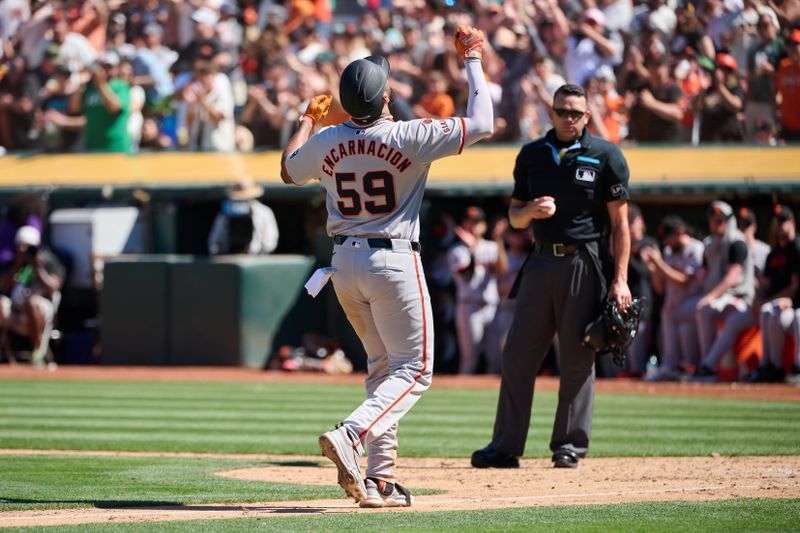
x: 574, y: 114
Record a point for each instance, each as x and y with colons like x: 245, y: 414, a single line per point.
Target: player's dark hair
x: 570, y: 89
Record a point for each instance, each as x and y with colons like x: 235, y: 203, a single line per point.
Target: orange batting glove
x: 469, y: 42
x: 318, y: 108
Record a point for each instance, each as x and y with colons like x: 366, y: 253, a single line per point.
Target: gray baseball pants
x: 385, y: 297
x: 679, y: 335
x: 639, y: 350
x: 474, y: 327
x: 776, y: 323
x: 499, y: 333
x: 557, y: 295
x: 737, y: 316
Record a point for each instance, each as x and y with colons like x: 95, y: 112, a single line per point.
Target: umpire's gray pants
x: 556, y: 295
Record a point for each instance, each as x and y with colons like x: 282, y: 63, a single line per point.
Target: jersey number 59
x: 378, y: 185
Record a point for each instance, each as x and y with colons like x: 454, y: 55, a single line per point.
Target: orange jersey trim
x: 463, y: 134
x: 286, y: 171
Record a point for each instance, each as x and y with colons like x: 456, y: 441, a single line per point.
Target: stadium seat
x: 744, y: 357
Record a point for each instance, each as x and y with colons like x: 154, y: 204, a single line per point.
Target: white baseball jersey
x: 481, y: 286
x: 759, y: 251
x: 477, y: 297
x: 688, y: 260
x: 375, y: 176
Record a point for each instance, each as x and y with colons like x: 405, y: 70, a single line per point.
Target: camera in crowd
x: 240, y: 225
x: 637, y: 85
x: 30, y: 253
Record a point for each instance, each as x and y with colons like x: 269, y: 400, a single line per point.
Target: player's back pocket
x: 385, y: 260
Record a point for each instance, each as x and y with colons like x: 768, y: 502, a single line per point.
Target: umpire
x: 569, y: 185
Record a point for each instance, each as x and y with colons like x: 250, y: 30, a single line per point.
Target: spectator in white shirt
x: 210, y: 111
x: 591, y: 47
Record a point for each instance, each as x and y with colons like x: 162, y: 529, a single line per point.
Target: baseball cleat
x: 384, y: 494
x: 664, y: 376
x: 703, y: 374
x: 337, y: 446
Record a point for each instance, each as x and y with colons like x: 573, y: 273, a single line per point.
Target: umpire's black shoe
x: 491, y: 458
x: 565, y: 459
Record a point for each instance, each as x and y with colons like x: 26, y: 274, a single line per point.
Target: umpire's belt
x: 555, y: 249
x: 378, y: 242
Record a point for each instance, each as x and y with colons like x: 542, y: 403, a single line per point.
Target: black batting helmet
x: 361, y: 87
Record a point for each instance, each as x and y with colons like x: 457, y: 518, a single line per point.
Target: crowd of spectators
x: 221, y: 75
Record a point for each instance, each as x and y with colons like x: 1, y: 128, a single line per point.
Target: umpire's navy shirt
x: 590, y: 173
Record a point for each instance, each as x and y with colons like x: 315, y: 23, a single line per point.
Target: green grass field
x: 261, y: 418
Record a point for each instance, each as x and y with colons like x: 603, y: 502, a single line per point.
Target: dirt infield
x: 596, y: 481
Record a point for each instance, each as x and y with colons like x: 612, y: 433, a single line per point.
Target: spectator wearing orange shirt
x: 607, y: 106
x: 435, y: 103
x: 787, y: 84
x: 604, y: 120
x: 603, y: 123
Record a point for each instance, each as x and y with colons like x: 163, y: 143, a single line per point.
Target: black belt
x: 375, y: 242
x: 555, y: 249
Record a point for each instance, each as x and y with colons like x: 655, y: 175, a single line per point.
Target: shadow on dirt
x: 158, y: 506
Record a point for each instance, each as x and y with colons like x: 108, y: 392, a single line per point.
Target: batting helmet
x: 361, y: 87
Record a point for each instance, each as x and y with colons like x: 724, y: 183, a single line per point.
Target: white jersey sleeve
x: 302, y: 165
x: 437, y: 138
x: 458, y: 257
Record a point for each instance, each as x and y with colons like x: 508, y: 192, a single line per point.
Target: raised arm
x: 480, y: 115
x: 316, y: 111
x: 107, y: 96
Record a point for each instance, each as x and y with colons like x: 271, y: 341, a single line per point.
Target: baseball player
x: 475, y: 263
x: 374, y: 171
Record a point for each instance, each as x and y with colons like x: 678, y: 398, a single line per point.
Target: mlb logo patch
x: 585, y: 174
x: 616, y: 190
x: 355, y: 244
